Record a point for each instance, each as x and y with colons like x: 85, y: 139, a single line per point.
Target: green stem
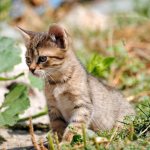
x: 50, y: 141
x: 42, y: 113
x: 11, y: 78
x: 84, y: 136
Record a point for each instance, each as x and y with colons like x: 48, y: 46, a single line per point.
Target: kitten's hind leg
x: 59, y: 127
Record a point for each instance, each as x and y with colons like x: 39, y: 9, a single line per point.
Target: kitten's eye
x: 28, y: 60
x: 42, y: 59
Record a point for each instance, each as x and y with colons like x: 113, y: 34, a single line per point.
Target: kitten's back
x: 109, y: 105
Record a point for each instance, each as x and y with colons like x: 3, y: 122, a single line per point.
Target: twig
x: 36, y: 146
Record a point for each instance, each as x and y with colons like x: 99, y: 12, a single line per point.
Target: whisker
x: 49, y: 69
x: 50, y: 76
x: 43, y: 75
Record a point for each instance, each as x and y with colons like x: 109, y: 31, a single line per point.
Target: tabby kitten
x: 74, y: 97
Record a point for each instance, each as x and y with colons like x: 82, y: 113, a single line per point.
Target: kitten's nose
x: 32, y: 70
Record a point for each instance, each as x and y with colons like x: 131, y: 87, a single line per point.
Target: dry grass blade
x: 144, y: 130
x: 134, y: 97
x: 36, y: 146
x: 112, y: 136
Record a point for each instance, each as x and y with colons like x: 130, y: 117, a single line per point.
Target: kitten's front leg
x: 81, y: 116
x: 56, y: 122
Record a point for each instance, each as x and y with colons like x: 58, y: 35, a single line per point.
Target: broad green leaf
x: 15, y: 103
x: 9, y: 54
x: 36, y: 82
x: 14, y: 94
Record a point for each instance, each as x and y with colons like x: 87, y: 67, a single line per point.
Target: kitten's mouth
x: 38, y: 74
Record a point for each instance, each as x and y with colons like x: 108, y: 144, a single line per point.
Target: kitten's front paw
x: 67, y: 137
x: 70, y: 132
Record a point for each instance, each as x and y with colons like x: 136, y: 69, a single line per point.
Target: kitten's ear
x: 27, y: 35
x: 59, y: 35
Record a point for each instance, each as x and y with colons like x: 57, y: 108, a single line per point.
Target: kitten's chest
x: 63, y: 101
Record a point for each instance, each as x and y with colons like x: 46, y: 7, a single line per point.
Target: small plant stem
x: 50, y: 141
x: 131, y: 131
x: 42, y: 113
x: 11, y: 78
x: 84, y: 136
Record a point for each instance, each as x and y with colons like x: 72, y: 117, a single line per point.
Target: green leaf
x: 9, y: 54
x: 99, y: 65
x: 13, y: 95
x: 36, y: 82
x: 76, y: 139
x: 108, y: 61
x: 118, y: 49
x: 15, y: 103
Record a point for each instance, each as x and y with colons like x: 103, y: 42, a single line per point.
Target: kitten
x: 74, y: 97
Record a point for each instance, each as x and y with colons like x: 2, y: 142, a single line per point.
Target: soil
x: 19, y: 139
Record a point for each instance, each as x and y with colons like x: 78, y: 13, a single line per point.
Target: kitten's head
x: 46, y: 51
